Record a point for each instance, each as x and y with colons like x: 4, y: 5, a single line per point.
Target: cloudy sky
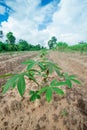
x: 38, y: 20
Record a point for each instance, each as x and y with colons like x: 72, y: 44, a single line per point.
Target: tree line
x: 63, y: 46
x: 11, y: 45
x: 22, y: 45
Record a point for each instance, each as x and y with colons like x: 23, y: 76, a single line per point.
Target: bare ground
x: 11, y: 63
x: 63, y: 113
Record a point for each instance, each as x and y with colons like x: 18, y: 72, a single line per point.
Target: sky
x: 36, y: 21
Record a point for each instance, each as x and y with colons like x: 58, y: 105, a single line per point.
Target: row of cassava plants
x: 44, y: 68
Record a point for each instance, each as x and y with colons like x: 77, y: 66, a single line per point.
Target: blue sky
x: 38, y: 20
x: 8, y: 10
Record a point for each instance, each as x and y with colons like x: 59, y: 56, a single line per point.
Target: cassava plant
x: 44, y: 68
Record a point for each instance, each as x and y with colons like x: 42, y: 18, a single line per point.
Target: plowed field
x: 68, y: 112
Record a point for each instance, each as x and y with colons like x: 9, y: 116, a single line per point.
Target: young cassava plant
x: 44, y: 68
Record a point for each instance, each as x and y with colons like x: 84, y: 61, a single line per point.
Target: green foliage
x: 80, y: 47
x: 10, y: 38
x: 34, y: 95
x: 6, y: 75
x: 61, y: 46
x: 1, y: 34
x: 43, y: 68
x: 1, y: 46
x: 69, y: 79
x: 53, y: 87
x: 11, y: 83
x: 21, y: 84
x: 52, y: 43
x: 22, y: 45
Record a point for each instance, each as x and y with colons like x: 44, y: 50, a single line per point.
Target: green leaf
x: 31, y: 92
x: 28, y: 62
x: 56, y: 67
x: 38, y: 97
x: 49, y: 94
x: 42, y: 66
x: 14, y: 85
x: 30, y: 65
x: 35, y: 96
x: 58, y: 72
x: 69, y: 83
x: 44, y: 75
x: 6, y: 75
x: 72, y: 76
x: 21, y: 85
x: 10, y: 83
x: 31, y: 77
x: 34, y: 72
x: 42, y: 90
x: 58, y: 90
x: 76, y: 81
x: 55, y: 83
x: 66, y: 76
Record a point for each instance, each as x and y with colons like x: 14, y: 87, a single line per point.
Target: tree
x: 38, y: 47
x: 23, y: 45
x: 1, y: 44
x: 1, y: 34
x: 52, y: 43
x: 10, y: 38
x: 4, y: 47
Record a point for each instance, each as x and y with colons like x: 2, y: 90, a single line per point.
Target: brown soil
x: 12, y: 63
x: 63, y: 113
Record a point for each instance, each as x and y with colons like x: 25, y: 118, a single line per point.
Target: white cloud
x: 2, y: 9
x: 69, y: 22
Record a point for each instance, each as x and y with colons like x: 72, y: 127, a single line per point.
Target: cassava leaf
x: 43, y: 90
x: 28, y: 62
x: 6, y: 75
x: 21, y: 85
x: 30, y: 65
x: 49, y: 94
x: 58, y: 90
x: 41, y: 65
x: 55, y: 83
x: 10, y: 83
x: 31, y: 77
x: 73, y: 76
x: 66, y: 76
x: 76, y: 81
x: 56, y: 66
x: 14, y: 85
x: 34, y: 96
x: 69, y: 83
x: 31, y: 92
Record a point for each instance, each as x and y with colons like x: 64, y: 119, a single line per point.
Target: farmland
x: 11, y: 62
x: 62, y: 113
